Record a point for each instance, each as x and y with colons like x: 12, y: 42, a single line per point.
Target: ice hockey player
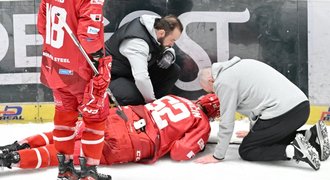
x: 171, y: 125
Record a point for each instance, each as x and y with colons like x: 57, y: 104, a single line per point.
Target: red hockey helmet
x: 210, y: 105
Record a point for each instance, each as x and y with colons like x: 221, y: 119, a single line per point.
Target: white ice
x: 233, y: 167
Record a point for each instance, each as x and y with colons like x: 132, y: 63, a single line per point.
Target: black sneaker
x: 66, y: 170
x: 90, y: 172
x: 303, y: 151
x: 318, y: 138
x: 14, y: 147
x: 7, y: 159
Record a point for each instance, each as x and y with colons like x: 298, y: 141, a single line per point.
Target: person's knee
x: 244, y: 153
x: 126, y: 92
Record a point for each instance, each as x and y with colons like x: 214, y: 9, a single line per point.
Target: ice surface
x: 232, y: 167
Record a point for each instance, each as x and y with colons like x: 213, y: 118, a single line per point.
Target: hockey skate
x: 318, y: 138
x: 303, y: 151
x: 13, y: 147
x: 90, y: 172
x: 7, y: 159
x: 66, y: 170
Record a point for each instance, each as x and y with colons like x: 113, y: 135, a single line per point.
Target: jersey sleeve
x: 41, y: 24
x: 90, y: 25
x: 193, y: 141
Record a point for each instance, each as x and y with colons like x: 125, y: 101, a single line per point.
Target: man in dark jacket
x: 143, y: 67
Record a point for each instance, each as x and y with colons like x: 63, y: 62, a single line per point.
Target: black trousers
x: 268, y: 139
x: 163, y: 80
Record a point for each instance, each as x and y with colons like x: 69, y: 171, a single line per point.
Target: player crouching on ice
x: 171, y: 125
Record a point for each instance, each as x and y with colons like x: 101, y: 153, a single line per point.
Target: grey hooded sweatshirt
x: 253, y: 89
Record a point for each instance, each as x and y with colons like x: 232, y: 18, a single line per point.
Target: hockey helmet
x: 210, y: 105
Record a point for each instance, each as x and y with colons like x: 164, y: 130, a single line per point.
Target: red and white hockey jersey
x: 62, y: 62
x: 173, y: 125
x: 183, y: 128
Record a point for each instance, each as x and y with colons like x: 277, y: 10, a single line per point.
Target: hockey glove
x: 95, y: 91
x: 96, y: 56
x: 93, y: 102
x: 167, y: 59
x: 102, y: 80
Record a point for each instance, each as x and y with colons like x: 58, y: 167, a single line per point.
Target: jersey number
x: 54, y: 30
x: 159, y: 109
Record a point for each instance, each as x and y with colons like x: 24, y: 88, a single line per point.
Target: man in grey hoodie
x: 143, y: 67
x: 276, y: 108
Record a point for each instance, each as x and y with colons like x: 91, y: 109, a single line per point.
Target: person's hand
x: 206, y: 159
x: 241, y: 134
x: 167, y: 59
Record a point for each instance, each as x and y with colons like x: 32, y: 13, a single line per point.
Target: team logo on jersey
x: 65, y: 72
x: 92, y: 30
x: 138, y: 155
x: 96, y: 17
x: 97, y: 2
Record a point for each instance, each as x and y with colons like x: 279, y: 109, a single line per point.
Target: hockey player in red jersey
x: 65, y: 71
x: 171, y: 125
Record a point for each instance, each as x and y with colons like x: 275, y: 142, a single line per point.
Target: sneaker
x: 7, y: 159
x: 66, y: 170
x: 90, y: 172
x: 14, y: 147
x: 318, y: 138
x: 303, y: 151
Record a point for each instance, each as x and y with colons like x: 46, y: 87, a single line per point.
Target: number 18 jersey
x: 62, y: 62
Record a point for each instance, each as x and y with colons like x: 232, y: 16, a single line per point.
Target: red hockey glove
x: 102, y: 80
x: 93, y: 101
x: 95, y: 91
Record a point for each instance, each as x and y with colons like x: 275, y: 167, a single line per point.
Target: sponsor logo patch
x: 89, y: 39
x: 96, y: 17
x: 92, y: 30
x: 65, y: 71
x: 97, y: 2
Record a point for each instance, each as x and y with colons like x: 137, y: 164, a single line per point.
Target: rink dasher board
x: 44, y: 112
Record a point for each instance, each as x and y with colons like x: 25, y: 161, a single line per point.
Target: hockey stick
x: 119, y: 111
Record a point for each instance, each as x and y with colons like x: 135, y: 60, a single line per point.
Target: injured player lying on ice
x: 172, y: 124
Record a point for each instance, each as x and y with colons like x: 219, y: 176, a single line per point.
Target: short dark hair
x: 168, y: 23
